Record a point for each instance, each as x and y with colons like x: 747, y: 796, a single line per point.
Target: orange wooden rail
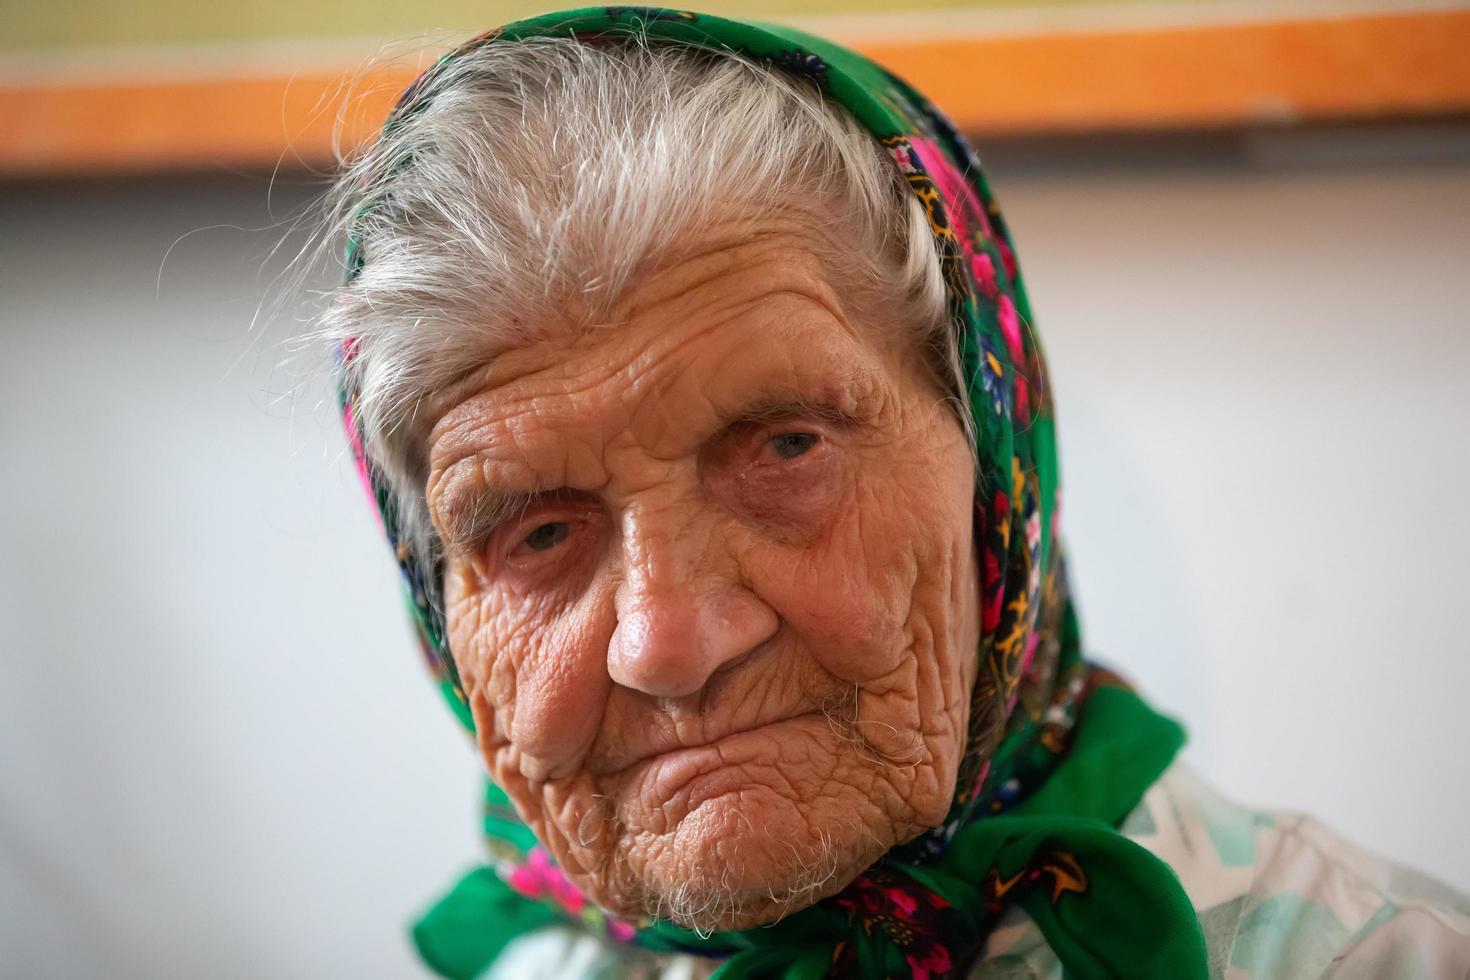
x: 1361, y: 67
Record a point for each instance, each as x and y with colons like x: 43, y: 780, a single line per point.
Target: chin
x: 742, y: 860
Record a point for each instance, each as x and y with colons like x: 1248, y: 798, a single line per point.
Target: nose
x: 680, y: 618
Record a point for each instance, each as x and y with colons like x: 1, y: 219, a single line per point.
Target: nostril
x: 732, y: 664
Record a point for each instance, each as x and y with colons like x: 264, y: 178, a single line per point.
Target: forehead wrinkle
x: 494, y: 418
x: 560, y: 339
x: 716, y: 253
x: 719, y: 249
x: 537, y: 463
x: 634, y: 399
x: 780, y: 357
x: 556, y: 391
x: 783, y: 280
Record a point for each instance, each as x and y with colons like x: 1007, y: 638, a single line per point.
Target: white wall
x: 218, y: 753
x: 1264, y: 401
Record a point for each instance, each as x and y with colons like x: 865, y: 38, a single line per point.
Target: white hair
x: 527, y: 176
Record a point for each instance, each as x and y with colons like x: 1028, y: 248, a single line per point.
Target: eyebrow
x: 790, y: 405
x: 465, y: 528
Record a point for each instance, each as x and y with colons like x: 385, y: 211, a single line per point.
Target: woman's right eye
x: 548, y: 544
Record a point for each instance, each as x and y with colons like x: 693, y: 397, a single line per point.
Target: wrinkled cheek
x: 562, y: 688
x: 849, y: 607
x: 545, y: 686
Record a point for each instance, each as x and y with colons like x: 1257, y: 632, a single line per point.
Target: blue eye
x: 790, y: 445
x: 548, y: 536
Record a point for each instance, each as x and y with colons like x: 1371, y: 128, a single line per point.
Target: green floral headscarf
x: 1059, y: 751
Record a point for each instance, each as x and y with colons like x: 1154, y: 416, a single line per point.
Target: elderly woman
x: 689, y: 364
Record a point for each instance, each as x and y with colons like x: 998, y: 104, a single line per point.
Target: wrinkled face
x: 711, y: 587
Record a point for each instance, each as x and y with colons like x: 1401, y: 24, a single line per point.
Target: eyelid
x: 537, y: 504
x: 523, y: 534
x: 508, y: 541
x: 495, y: 512
x: 762, y: 425
x: 798, y: 411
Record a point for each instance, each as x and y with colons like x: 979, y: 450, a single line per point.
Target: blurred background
x: 1246, y: 229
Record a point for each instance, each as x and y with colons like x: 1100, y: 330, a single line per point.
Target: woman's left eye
x: 548, y: 536
x: 790, y: 445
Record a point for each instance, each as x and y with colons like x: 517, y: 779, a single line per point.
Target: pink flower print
x: 532, y: 879
x: 1010, y: 328
x: 929, y: 963
x: 1033, y: 532
x: 980, y: 780
x: 540, y: 878
x: 902, y: 901
x: 905, y: 914
x: 1032, y: 642
x: 982, y: 267
x: 903, y: 156
x: 1007, y: 258
x: 966, y: 214
x: 359, y: 458
x: 994, y: 594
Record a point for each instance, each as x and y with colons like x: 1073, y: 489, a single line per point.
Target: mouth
x: 673, y: 752
x: 691, y: 774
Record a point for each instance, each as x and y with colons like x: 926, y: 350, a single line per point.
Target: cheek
x: 845, y: 594
x: 888, y: 580
x: 847, y: 609
x: 535, y: 672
